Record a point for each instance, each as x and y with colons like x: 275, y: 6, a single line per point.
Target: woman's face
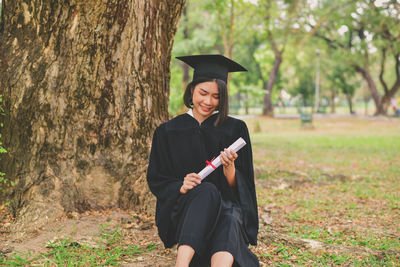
x: 205, y: 99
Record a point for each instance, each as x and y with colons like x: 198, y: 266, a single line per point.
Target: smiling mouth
x: 205, y: 109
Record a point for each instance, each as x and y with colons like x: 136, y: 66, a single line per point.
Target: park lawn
x: 336, y: 182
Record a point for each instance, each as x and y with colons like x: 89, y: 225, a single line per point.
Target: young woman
x: 212, y: 220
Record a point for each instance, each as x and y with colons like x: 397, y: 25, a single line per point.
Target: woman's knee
x: 208, y: 189
x: 222, y: 258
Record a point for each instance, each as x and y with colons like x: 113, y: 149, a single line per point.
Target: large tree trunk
x: 268, y: 109
x: 85, y: 83
x: 382, y: 103
x: 333, y: 104
x: 350, y: 102
x: 385, y: 103
x: 366, y: 101
x: 227, y: 31
x: 246, y: 103
x: 372, y: 88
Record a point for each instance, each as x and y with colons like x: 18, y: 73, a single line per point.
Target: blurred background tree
x: 277, y: 40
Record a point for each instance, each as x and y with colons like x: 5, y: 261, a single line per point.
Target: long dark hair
x: 223, y: 106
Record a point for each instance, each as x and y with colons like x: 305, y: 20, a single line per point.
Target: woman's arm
x: 189, y: 182
x: 228, y: 162
x: 161, y: 183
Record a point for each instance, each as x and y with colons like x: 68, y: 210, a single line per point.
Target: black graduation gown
x: 181, y: 146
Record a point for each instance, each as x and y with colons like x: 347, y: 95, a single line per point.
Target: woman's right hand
x: 190, y: 181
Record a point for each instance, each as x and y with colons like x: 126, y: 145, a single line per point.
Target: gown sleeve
x: 162, y: 183
x: 159, y: 178
x: 245, y: 190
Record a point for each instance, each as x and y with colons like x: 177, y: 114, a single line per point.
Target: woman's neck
x: 199, y: 117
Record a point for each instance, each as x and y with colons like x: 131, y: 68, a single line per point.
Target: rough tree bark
x: 85, y: 83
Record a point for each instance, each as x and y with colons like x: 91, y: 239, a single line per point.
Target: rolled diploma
x: 238, y: 144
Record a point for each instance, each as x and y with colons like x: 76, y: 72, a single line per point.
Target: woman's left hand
x: 227, y: 158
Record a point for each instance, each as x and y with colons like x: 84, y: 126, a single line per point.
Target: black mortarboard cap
x: 211, y: 66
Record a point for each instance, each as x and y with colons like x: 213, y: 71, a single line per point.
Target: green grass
x: 288, y: 256
x: 350, y: 194
x: 362, y: 154
x: 109, y: 251
x: 343, y: 180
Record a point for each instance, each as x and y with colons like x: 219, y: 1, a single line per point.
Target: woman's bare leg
x: 222, y: 259
x: 185, y: 255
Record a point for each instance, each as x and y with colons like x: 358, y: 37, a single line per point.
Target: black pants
x: 209, y: 224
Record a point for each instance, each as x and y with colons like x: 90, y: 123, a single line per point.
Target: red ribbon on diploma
x: 210, y: 163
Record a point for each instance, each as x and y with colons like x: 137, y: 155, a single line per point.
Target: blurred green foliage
x: 347, y: 34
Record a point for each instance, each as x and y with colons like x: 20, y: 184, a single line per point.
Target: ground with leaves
x: 328, y: 194
x: 97, y: 237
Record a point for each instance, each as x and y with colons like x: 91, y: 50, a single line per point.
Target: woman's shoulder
x: 235, y: 122
x: 176, y: 123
